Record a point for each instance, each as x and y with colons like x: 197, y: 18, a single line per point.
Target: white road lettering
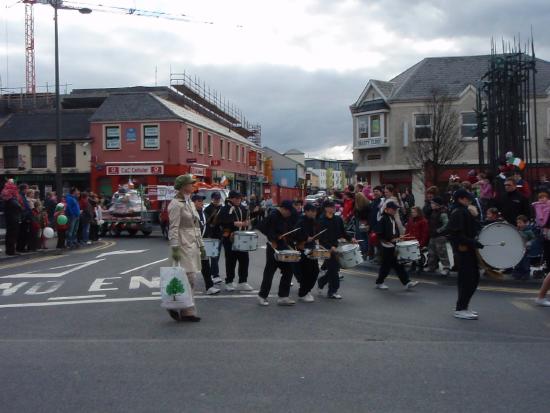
x: 9, y: 288
x: 120, y: 252
x: 51, y: 286
x: 143, y: 266
x: 100, y: 282
x: 136, y: 281
x: 77, y: 297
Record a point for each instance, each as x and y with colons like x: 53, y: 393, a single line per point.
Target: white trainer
x: 308, y: 298
x: 543, y: 302
x: 382, y: 286
x: 262, y: 301
x: 335, y: 296
x: 216, y: 280
x: 465, y: 315
x: 411, y: 284
x: 230, y: 287
x: 285, y: 301
x: 212, y: 291
x: 244, y: 287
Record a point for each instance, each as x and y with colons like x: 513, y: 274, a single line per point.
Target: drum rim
x: 505, y: 224
x: 407, y: 243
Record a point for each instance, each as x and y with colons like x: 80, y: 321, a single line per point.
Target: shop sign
x: 198, y: 170
x: 215, y: 162
x: 191, y: 160
x: 135, y: 170
x: 253, y: 178
x: 252, y: 158
x: 131, y: 135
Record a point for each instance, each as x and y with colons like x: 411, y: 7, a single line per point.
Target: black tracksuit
x: 387, y: 232
x: 205, y: 264
x: 227, y: 216
x: 309, y: 269
x: 463, y: 229
x: 334, y: 231
x: 13, y: 212
x: 211, y: 212
x: 276, y: 225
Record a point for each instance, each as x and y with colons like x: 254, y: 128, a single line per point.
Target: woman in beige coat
x: 185, y: 239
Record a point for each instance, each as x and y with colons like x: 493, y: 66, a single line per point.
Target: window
x: 112, y: 137
x: 151, y: 138
x: 243, y: 158
x: 469, y: 125
x: 190, y: 139
x: 422, y: 126
x: 201, y: 143
x: 68, y: 155
x: 237, y: 153
x: 209, y: 143
x: 375, y: 126
x: 11, y: 157
x: 229, y: 150
x: 221, y: 149
x: 371, y: 126
x: 39, y: 157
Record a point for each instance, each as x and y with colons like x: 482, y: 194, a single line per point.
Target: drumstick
x: 500, y: 244
x: 289, y: 232
x: 315, y: 236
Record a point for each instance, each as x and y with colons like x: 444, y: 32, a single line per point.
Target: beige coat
x: 185, y: 232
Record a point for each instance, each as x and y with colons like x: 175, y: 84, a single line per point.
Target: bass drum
x: 504, y: 246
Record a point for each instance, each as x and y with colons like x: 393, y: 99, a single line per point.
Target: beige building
x: 28, y: 148
x: 388, y: 116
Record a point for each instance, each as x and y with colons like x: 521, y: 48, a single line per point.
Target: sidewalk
x: 51, y: 250
x: 507, y: 280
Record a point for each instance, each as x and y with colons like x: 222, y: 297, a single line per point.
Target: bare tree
x: 437, y: 139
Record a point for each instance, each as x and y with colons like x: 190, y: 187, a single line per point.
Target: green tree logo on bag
x: 174, y: 287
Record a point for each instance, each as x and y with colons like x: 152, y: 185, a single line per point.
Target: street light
x: 58, y: 4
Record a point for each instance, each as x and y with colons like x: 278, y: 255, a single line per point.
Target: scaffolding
x: 209, y: 102
x: 507, y: 106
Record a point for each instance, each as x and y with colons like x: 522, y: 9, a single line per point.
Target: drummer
x: 234, y: 217
x: 388, y: 234
x: 309, y: 268
x: 278, y: 223
x: 334, y: 226
x: 206, y: 271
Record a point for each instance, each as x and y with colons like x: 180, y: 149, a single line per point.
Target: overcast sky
x: 295, y: 66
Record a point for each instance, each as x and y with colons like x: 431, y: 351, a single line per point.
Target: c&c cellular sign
x: 135, y: 170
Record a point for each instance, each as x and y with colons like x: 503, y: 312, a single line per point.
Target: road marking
x: 77, y: 297
x: 143, y: 266
x: 120, y: 300
x: 120, y: 252
x: 74, y: 267
x: 391, y: 277
x: 522, y: 305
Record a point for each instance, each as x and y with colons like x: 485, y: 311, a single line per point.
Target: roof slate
x: 131, y: 106
x: 37, y: 127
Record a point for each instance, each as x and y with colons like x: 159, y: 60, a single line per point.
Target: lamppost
x: 58, y: 4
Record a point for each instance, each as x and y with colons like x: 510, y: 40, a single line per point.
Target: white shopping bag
x: 175, y: 290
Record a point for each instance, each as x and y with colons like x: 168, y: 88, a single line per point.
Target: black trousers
x: 271, y: 266
x: 23, y: 237
x: 309, y: 271
x: 389, y: 261
x: 12, y: 233
x: 206, y: 273
x: 94, y: 231
x: 468, y: 278
x: 332, y: 276
x: 61, y: 235
x: 546, y: 249
x: 231, y: 259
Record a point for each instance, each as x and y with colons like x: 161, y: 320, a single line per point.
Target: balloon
x: 62, y: 219
x: 48, y: 232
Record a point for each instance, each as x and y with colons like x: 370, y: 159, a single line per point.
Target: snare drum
x: 245, y: 241
x: 287, y: 256
x: 504, y: 246
x: 408, y: 250
x: 349, y: 255
x: 319, y: 253
x: 211, y: 245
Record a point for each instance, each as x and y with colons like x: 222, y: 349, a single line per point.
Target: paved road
x: 64, y: 350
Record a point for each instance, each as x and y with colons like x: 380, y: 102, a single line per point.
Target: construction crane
x: 30, y: 66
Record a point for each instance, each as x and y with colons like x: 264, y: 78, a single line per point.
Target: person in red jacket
x: 418, y: 227
x: 349, y: 205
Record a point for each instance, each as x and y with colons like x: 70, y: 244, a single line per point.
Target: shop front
x: 46, y: 182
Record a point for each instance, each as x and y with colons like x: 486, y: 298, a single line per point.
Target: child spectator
x: 492, y: 215
x: 437, y: 246
x: 418, y: 227
x: 521, y: 271
x: 44, y: 222
x: 34, y: 240
x: 61, y: 228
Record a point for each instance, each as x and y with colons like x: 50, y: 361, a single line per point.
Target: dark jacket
x: 211, y: 212
x: 438, y: 223
x: 373, y: 212
x: 387, y: 228
x: 13, y: 211
x: 276, y: 226
x: 463, y: 228
x: 512, y: 204
x: 205, y: 228
x: 308, y: 228
x: 228, y: 215
x: 334, y: 231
